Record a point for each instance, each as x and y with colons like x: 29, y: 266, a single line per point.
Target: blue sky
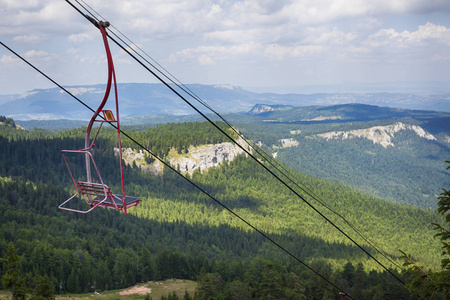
x: 261, y: 44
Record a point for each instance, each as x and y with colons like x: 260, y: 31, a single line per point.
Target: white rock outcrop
x: 286, y: 143
x: 201, y: 157
x: 378, y: 134
x: 205, y: 156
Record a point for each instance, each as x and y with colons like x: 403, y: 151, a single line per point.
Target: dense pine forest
x: 178, y: 232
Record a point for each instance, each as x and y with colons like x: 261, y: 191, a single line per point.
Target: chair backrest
x: 94, y: 189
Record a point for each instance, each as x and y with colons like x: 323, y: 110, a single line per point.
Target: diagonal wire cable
x: 185, y: 178
x: 278, y: 166
x: 242, y: 148
x: 274, y: 163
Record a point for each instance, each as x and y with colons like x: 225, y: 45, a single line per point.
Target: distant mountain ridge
x: 140, y: 99
x: 394, y: 153
x: 344, y: 113
x: 378, y: 134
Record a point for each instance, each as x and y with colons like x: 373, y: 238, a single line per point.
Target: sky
x: 260, y: 45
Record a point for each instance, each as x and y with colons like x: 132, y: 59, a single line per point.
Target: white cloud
x: 325, y: 36
x: 43, y: 56
x: 23, y: 4
x: 206, y: 55
x: 215, y: 9
x: 159, y: 19
x: 35, y: 53
x: 9, y: 59
x: 282, y: 52
x: 321, y: 34
x: 27, y: 17
x: 426, y: 35
x: 205, y: 60
x: 428, y: 43
x: 429, y: 32
x: 80, y: 37
x: 30, y: 39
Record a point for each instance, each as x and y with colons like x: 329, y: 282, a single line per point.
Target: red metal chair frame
x: 89, y: 189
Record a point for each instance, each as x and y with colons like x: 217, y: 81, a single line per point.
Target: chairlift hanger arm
x: 99, y: 194
x: 108, y: 85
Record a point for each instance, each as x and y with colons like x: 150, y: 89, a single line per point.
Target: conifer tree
x: 12, y: 279
x: 43, y: 289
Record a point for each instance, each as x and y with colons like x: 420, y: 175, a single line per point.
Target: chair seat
x: 117, y: 201
x: 112, y: 200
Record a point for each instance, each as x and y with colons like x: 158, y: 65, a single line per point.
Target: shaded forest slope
x: 35, y: 181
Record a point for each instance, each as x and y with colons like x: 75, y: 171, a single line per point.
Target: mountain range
x: 140, y: 99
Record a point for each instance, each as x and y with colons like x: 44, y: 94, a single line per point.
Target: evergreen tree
x: 271, y: 283
x: 348, y: 276
x: 239, y: 290
x: 43, y: 290
x: 359, y: 282
x: 12, y: 279
x: 73, y: 284
x: 145, y: 266
x: 209, y: 287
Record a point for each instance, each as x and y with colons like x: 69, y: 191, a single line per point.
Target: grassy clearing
x: 163, y: 288
x: 5, y: 295
x: 155, y: 289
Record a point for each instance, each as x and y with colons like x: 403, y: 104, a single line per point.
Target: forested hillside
x: 179, y: 232
x: 410, y: 169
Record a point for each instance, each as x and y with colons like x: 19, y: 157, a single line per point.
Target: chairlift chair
x: 98, y: 193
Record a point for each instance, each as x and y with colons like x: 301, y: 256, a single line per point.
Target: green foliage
x: 174, y: 296
x: 433, y: 284
x: 12, y: 278
x: 180, y: 136
x: 177, y: 231
x: 43, y: 289
x: 7, y: 122
x: 411, y: 172
x: 266, y: 279
x: 210, y: 286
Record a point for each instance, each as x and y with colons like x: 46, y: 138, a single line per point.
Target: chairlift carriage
x: 98, y: 193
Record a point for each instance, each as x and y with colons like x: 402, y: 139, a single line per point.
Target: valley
x: 177, y: 231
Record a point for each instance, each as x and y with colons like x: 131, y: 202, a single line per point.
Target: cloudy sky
x: 257, y: 44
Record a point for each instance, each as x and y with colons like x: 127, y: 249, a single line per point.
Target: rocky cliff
x: 378, y: 134
x: 204, y: 157
x: 264, y: 108
x: 201, y: 157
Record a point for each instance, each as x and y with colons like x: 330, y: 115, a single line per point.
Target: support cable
x: 186, y: 178
x: 242, y: 148
x: 274, y: 163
